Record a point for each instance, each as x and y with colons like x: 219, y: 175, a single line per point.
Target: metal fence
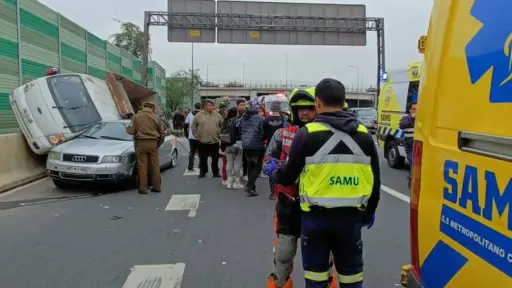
x: 271, y: 84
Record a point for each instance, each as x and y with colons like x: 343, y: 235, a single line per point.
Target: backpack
x: 228, y: 133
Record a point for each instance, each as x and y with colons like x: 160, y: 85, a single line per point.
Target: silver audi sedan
x: 104, y: 152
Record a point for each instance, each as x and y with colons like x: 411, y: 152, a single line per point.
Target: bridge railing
x: 268, y: 84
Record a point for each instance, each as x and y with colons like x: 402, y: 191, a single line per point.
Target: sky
x: 405, y: 21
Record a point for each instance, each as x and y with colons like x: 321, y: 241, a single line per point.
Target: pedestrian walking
x: 241, y: 107
x: 149, y: 133
x: 192, y: 142
x: 230, y: 140
x: 337, y: 164
x: 253, y: 143
x: 206, y: 130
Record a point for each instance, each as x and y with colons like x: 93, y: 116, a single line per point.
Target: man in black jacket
x: 337, y: 162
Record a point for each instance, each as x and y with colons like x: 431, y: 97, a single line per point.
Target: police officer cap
x: 148, y: 105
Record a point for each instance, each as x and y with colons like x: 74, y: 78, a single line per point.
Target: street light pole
x: 358, y: 82
x: 243, y: 74
x: 286, y: 70
x: 192, y: 78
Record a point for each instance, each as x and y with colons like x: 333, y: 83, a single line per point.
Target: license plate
x: 78, y: 169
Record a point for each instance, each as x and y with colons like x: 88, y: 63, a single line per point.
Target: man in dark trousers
x: 191, y: 140
x: 206, y: 129
x: 240, y: 105
x: 253, y: 143
x: 149, y: 132
x: 337, y: 164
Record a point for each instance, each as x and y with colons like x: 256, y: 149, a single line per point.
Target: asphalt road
x: 79, y: 239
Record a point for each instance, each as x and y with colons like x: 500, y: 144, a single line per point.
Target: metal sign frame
x: 246, y: 22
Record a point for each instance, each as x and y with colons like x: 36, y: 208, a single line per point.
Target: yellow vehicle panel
x: 464, y: 125
x: 392, y: 106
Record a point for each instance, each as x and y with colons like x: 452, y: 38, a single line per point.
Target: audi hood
x: 99, y: 147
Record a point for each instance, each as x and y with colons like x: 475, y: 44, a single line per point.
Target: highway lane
x: 89, y: 240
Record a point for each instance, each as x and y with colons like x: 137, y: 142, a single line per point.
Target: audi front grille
x: 80, y: 158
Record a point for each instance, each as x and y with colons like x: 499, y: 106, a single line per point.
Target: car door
x: 164, y: 151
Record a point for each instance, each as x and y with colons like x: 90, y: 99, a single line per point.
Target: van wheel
x: 393, y: 156
x: 61, y: 184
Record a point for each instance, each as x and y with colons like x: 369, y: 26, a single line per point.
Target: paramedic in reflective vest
x: 287, y: 210
x: 337, y: 164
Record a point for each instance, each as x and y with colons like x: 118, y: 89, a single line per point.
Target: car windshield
x: 73, y: 101
x: 366, y: 113
x: 107, y: 130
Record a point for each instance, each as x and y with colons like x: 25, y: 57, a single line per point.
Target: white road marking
x: 12, y: 191
x: 194, y: 172
x: 155, y: 276
x: 395, y: 193
x: 184, y: 202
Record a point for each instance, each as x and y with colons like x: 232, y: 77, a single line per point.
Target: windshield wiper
x: 113, y: 138
x: 86, y: 136
x: 85, y: 124
x: 69, y: 108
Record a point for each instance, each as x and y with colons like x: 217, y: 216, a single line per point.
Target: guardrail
x: 268, y: 84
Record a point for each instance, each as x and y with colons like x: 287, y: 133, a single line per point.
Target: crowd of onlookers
x: 237, y: 135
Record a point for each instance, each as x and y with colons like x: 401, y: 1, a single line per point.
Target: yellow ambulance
x: 398, y: 90
x: 461, y: 198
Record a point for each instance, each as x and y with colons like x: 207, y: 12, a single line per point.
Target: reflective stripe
x: 409, y: 132
x: 287, y: 142
x: 348, y: 279
x: 336, y: 138
x: 338, y: 158
x: 316, y: 276
x: 332, y: 202
x: 287, y: 133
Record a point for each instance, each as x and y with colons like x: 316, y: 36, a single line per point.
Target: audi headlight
x: 114, y: 159
x: 54, y: 155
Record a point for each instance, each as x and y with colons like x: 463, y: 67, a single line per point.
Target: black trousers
x: 254, y: 166
x: 208, y: 150
x: 192, y: 153
x: 244, y: 163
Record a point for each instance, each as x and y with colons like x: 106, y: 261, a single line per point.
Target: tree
x: 131, y: 38
x: 181, y: 87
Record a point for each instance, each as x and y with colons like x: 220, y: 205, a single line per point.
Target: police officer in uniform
x: 337, y: 164
x: 149, y: 133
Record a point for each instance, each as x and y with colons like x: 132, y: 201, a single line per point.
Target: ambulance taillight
x: 415, y: 197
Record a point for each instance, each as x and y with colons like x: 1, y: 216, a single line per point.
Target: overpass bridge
x: 252, y: 90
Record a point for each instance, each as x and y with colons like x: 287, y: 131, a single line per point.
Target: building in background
x: 34, y: 38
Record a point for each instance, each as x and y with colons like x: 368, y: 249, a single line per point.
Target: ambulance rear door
x: 465, y: 204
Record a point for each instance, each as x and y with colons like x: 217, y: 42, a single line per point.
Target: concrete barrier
x: 18, y: 165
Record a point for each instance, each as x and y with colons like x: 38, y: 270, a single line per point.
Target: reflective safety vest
x: 336, y: 180
x: 287, y: 136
